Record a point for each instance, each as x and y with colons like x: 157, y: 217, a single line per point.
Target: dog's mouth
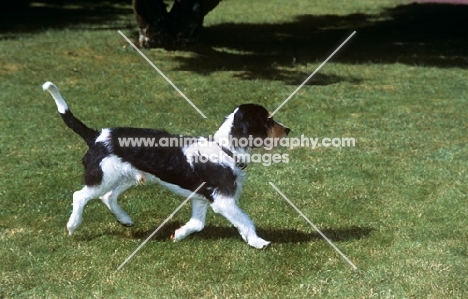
x: 275, y: 134
x: 278, y: 131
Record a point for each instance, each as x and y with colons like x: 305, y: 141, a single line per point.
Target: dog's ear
x: 250, y: 119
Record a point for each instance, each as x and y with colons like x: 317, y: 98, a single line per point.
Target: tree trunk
x: 174, y: 29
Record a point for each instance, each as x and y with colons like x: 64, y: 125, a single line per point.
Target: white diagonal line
x: 316, y: 228
x: 162, y: 224
x: 308, y: 78
x: 161, y: 73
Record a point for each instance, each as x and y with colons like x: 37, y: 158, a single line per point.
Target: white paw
x: 70, y: 229
x: 127, y: 224
x: 73, y: 224
x: 178, y: 235
x: 258, y: 243
x: 126, y: 221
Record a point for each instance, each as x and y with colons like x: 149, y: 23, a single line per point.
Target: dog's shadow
x: 270, y: 234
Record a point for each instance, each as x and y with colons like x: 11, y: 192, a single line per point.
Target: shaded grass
x: 395, y: 204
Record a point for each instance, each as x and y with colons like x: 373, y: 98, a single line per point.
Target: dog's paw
x: 259, y: 243
x: 73, y: 224
x: 178, y: 235
x: 71, y: 230
x: 127, y: 223
x: 124, y: 219
x: 175, y: 237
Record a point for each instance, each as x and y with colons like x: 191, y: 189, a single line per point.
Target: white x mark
x: 162, y: 74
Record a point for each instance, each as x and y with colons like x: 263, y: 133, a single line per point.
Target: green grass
x: 395, y: 204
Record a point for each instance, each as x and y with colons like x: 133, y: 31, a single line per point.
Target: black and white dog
x: 111, y: 168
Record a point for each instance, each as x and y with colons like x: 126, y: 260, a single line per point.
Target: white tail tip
x: 48, y: 85
x: 59, y: 101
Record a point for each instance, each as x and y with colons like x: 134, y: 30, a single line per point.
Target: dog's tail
x: 89, y: 135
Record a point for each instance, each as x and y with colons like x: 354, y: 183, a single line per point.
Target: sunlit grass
x: 395, y: 203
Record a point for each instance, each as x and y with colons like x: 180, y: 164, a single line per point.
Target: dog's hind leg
x: 80, y: 199
x: 227, y: 207
x: 196, y: 222
x: 110, y: 200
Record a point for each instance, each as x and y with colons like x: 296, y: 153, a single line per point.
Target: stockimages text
x: 244, y: 142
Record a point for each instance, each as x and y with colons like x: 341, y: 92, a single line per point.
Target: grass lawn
x: 395, y: 204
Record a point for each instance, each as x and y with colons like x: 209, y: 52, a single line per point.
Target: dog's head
x: 251, y: 121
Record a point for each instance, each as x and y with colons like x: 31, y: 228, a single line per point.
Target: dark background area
x: 427, y: 34
x: 413, y: 34
x: 24, y: 16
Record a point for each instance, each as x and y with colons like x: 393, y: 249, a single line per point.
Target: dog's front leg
x: 227, y: 207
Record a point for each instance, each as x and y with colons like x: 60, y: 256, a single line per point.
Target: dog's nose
x: 287, y: 130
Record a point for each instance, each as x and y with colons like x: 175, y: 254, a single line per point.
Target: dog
x: 111, y: 167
